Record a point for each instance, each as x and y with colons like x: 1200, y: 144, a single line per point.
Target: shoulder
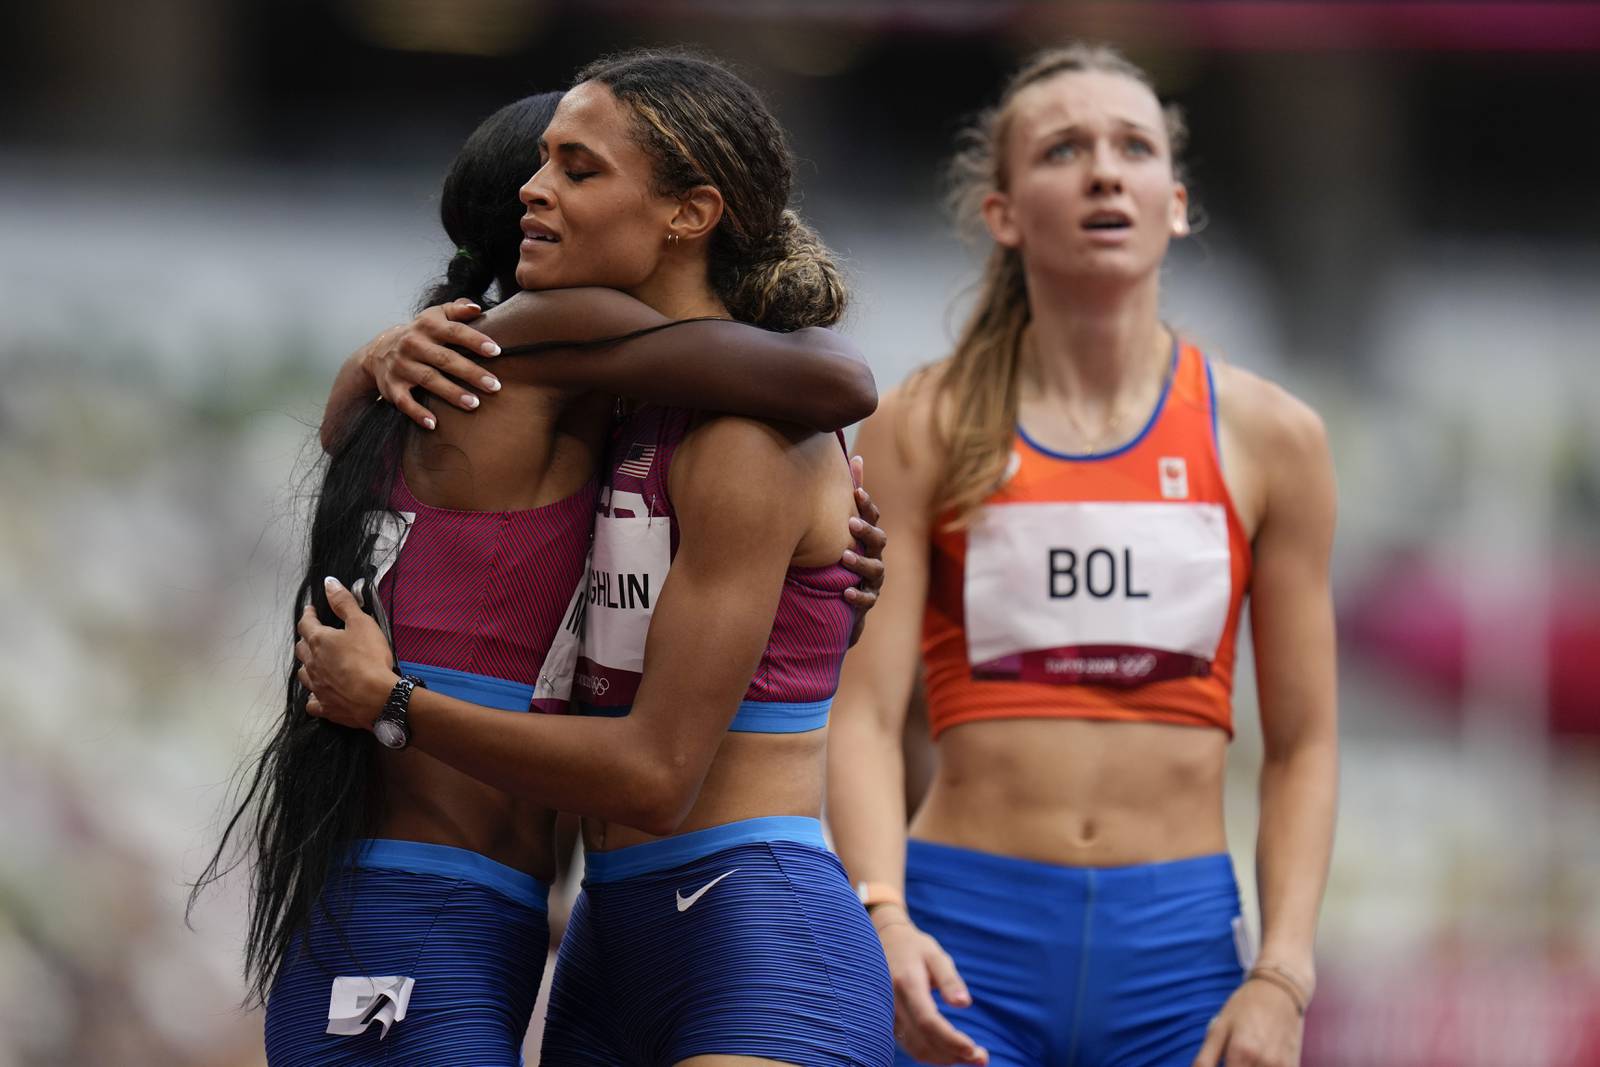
x: 1266, y: 418
x: 735, y: 457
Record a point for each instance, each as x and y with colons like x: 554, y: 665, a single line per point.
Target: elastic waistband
x: 417, y: 857
x: 962, y: 867
x: 476, y: 688
x: 780, y: 717
x: 617, y: 864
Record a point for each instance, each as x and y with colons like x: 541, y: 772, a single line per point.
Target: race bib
x: 1109, y: 593
x: 553, y: 689
x: 628, y: 568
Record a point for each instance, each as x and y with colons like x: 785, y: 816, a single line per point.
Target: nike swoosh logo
x: 687, y: 902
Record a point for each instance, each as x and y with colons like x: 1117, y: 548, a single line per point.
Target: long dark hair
x: 312, y: 791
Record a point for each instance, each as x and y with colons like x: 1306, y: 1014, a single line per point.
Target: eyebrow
x: 1075, y: 127
x: 571, y: 146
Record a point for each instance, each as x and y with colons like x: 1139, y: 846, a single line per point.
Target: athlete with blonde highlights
x: 1079, y: 502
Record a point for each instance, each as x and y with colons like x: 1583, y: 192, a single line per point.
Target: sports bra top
x: 1101, y: 585
x: 474, y: 600
x: 635, y: 538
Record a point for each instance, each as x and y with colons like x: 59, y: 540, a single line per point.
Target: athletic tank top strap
x: 1102, y: 585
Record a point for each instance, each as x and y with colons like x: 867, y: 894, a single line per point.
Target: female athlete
x: 392, y: 893
x: 1079, y: 502
x: 714, y: 926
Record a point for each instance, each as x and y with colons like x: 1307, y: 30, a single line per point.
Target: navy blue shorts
x: 1081, y: 966
x: 743, y: 939
x: 470, y: 932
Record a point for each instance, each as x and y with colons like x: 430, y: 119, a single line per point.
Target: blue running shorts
x: 472, y: 933
x: 743, y: 939
x: 1081, y: 966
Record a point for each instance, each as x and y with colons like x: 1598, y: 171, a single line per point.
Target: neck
x: 1092, y: 344
x: 677, y: 295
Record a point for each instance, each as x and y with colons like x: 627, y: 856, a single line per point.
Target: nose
x: 535, y: 192
x: 1105, y: 171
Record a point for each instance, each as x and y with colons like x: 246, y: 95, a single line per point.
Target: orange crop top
x: 1096, y: 586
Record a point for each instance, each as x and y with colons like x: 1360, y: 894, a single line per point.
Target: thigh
x: 1170, y: 966
x: 475, y: 957
x: 759, y: 951
x: 1004, y: 954
x: 580, y: 1022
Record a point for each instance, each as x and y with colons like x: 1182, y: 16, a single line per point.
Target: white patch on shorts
x: 1243, y: 943
x: 357, y: 1003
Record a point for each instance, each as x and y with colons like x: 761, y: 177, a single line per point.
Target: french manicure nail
x: 429, y: 422
x: 331, y: 582
x: 491, y: 384
x: 490, y: 348
x: 468, y: 400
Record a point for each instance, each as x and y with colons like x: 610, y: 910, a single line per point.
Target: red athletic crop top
x: 1095, y: 586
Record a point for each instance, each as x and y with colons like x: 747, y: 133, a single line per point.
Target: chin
x: 528, y: 278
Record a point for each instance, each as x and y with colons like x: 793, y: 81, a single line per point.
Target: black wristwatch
x: 391, y: 728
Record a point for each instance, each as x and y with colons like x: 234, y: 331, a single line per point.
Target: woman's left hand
x: 348, y: 671
x: 1258, y: 1027
x: 868, y: 563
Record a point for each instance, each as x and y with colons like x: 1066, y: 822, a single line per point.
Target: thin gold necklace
x: 1091, y: 443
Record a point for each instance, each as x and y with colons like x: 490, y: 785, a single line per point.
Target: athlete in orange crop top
x: 1078, y: 503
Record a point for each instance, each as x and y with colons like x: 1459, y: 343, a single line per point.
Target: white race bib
x: 553, y: 689
x: 629, y: 566
x: 1115, y: 593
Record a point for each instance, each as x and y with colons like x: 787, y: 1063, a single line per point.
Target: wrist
x: 888, y: 914
x: 1297, y: 967
x: 375, y: 694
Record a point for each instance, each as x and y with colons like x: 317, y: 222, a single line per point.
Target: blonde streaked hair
x: 977, y: 384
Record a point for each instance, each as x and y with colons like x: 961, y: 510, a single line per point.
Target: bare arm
x: 644, y: 769
x: 1292, y: 622
x: 866, y: 757
x: 866, y: 805
x: 1292, y: 619
x: 814, y: 377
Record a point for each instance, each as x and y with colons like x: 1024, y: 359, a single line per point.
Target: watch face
x: 389, y: 733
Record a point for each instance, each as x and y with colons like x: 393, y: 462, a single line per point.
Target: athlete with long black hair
x: 714, y: 923
x: 398, y: 905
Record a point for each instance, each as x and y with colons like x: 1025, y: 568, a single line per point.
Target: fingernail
x: 429, y: 423
x: 491, y: 384
x: 331, y: 582
x: 490, y: 348
x: 857, y: 525
x: 849, y: 556
x: 468, y: 400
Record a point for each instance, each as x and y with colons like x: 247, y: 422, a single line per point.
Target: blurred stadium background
x: 205, y: 205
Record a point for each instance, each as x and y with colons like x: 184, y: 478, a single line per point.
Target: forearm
x: 353, y: 387
x: 1299, y: 794
x: 812, y: 377
x: 596, y: 767
x: 866, y: 801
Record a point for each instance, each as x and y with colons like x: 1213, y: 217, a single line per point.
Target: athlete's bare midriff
x: 754, y: 775
x: 1077, y: 792
x: 425, y: 800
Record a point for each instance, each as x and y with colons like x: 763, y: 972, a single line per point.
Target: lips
x: 537, y: 231
x: 1107, y: 220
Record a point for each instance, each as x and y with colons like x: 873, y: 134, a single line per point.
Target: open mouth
x: 532, y: 231
x: 1107, y: 220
